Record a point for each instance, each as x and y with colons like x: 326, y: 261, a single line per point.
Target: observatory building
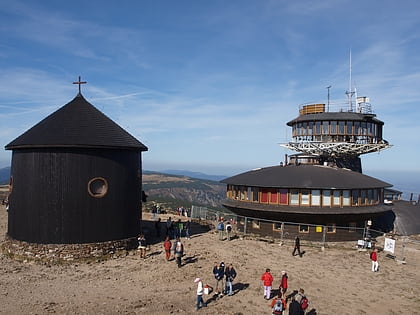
x: 76, y: 177
x: 321, y: 185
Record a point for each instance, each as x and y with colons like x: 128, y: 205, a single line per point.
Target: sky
x: 209, y: 85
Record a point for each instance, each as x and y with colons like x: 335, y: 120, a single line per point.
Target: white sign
x: 389, y: 245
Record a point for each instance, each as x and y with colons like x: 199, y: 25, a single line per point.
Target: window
x: 362, y: 197
x: 277, y: 227
x: 346, y: 197
x: 304, y: 197
x: 317, y: 127
x: 341, y: 125
x: 248, y: 193
x: 375, y: 196
x: 349, y: 127
x: 303, y: 228
x: 299, y: 129
x: 331, y: 228
x: 357, y: 128
x: 255, y: 194
x: 370, y: 196
x: 283, y: 196
x: 255, y: 224
x: 264, y: 195
x: 304, y: 128
x: 242, y: 193
x: 333, y: 127
x: 326, y: 198
x: 355, y: 197
x: 294, y: 197
x: 325, y: 128
x: 336, y: 198
x: 316, y: 198
x: 274, y: 196
x: 97, y: 187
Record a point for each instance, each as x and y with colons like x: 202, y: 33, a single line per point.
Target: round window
x: 98, y: 187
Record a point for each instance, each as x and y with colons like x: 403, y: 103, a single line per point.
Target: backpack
x: 278, y: 307
x: 229, y: 228
x: 220, y: 226
x: 304, y: 303
x: 178, y: 247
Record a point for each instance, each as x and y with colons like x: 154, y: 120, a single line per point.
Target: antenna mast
x: 350, y: 92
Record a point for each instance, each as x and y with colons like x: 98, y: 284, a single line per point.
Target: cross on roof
x: 80, y: 83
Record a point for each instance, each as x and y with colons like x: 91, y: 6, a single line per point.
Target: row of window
x: 351, y: 128
x: 277, y: 227
x: 306, y: 197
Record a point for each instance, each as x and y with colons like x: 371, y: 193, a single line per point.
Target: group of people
x: 223, y: 228
x: 177, y: 248
x: 299, y: 303
x: 175, y: 229
x: 224, y: 278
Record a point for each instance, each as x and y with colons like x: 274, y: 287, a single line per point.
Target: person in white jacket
x: 200, y: 289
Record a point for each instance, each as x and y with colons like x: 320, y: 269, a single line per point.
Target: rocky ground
x: 337, y: 280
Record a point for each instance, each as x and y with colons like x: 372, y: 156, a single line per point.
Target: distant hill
x: 4, y: 175
x: 195, y: 174
x: 180, y: 190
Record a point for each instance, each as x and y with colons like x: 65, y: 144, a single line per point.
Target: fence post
x: 324, y: 231
x: 282, y: 234
x: 246, y: 221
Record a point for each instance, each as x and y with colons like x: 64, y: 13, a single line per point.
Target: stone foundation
x: 66, y: 253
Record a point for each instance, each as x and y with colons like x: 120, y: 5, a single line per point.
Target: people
x: 167, y: 245
x: 283, y: 283
x: 278, y: 305
x: 374, y: 259
x: 302, y: 300
x: 267, y: 280
x: 178, y: 251
x: 220, y: 228
x: 230, y: 273
x: 200, y: 302
x: 228, y: 230
x: 157, y: 227
x: 187, y: 227
x: 142, y: 245
x: 294, y: 307
x: 168, y: 227
x: 297, y: 247
x: 218, y: 272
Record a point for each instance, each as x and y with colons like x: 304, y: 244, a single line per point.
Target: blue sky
x: 209, y: 85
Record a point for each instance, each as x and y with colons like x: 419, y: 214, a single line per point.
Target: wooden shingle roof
x: 305, y: 176
x: 77, y: 124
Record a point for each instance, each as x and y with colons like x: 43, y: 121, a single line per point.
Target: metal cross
x: 80, y: 83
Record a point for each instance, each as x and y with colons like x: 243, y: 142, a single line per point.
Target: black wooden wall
x: 50, y: 203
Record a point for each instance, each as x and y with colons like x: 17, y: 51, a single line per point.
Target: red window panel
x: 264, y: 195
x: 274, y: 197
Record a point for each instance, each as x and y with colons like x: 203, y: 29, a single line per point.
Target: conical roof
x: 76, y: 124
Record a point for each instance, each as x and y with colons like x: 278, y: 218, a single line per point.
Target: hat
x: 197, y: 280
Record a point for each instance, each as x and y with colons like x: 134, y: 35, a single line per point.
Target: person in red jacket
x: 267, y: 280
x: 283, y: 283
x: 167, y: 245
x: 374, y: 258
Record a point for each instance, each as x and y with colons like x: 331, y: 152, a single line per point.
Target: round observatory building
x: 323, y: 185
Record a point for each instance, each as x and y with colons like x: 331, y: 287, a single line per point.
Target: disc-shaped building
x: 76, y: 177
x: 323, y: 185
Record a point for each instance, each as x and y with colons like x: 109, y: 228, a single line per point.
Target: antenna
x: 328, y: 98
x: 350, y: 92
